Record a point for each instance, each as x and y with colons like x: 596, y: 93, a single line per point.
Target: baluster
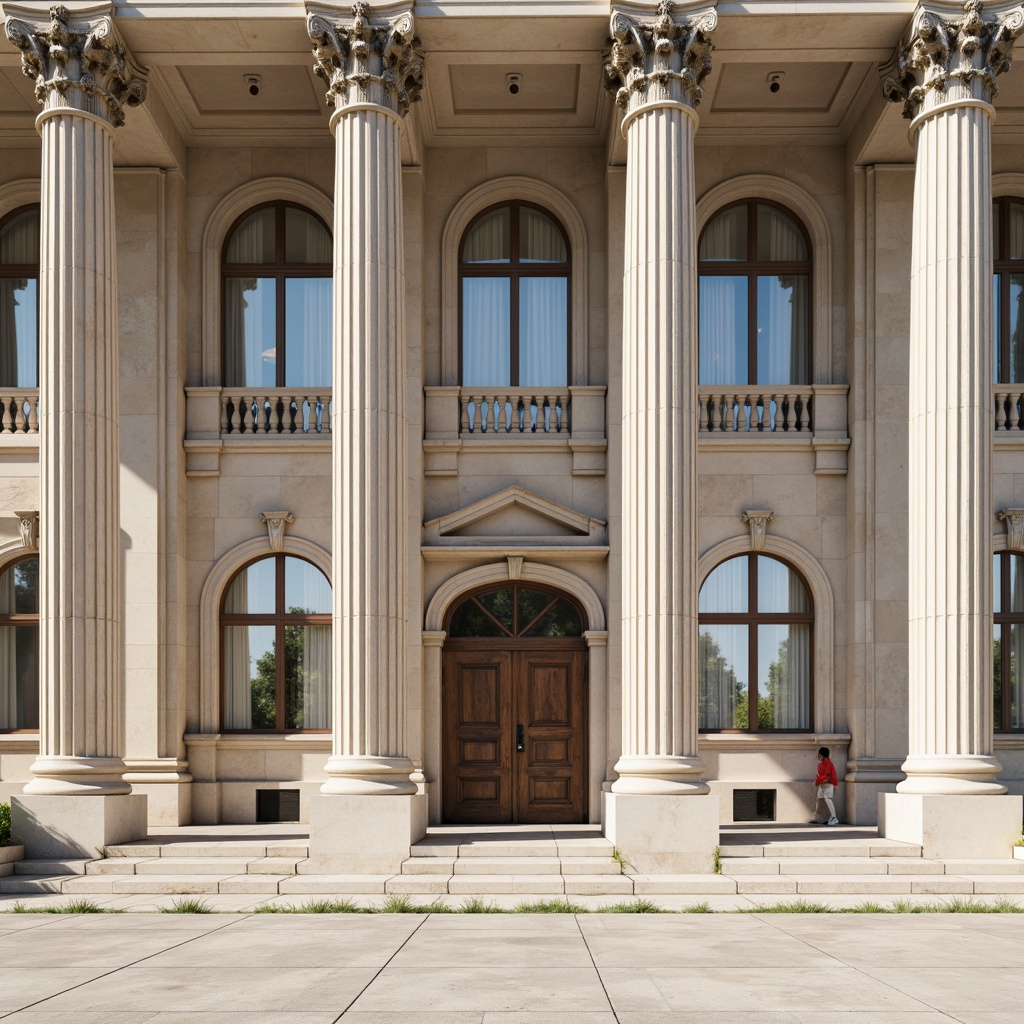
x: 721, y: 403
x: 225, y: 415
x: 502, y: 415
x: 805, y: 412
x: 33, y: 415
x: 19, y: 416
x: 556, y: 413
x: 735, y: 412
x: 712, y: 411
x: 5, y: 417
x: 702, y: 412
x: 465, y: 427
x: 1014, y: 423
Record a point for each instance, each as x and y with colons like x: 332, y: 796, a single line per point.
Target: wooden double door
x: 514, y: 722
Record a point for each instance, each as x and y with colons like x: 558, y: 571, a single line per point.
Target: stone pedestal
x: 952, y: 827
x: 658, y: 835
x: 364, y: 835
x: 60, y: 827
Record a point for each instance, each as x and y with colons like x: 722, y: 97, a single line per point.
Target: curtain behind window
x: 8, y: 657
x: 19, y: 244
x: 237, y: 682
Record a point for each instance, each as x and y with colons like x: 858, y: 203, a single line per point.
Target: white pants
x: 825, y: 792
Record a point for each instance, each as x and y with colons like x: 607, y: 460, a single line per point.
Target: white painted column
x: 945, y: 75
x: 84, y: 79
x: 658, y: 66
x: 372, y: 75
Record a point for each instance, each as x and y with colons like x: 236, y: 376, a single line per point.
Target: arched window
x: 1008, y: 290
x: 19, y: 298
x: 276, y: 647
x: 514, y: 275
x: 19, y: 646
x: 754, y: 647
x: 276, y: 273
x: 515, y: 611
x: 754, y: 263
x: 1008, y: 641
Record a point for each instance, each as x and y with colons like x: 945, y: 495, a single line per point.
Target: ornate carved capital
x: 758, y: 520
x: 77, y: 60
x: 28, y: 527
x: 1014, y: 519
x: 661, y: 59
x: 276, y: 523
x: 367, y: 58
x: 952, y: 54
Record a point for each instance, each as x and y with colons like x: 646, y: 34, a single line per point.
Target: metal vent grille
x: 753, y: 805
x: 277, y: 805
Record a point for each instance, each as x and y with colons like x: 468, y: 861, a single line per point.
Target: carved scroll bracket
x: 1014, y: 519
x: 276, y: 523
x: 758, y: 520
x: 28, y: 527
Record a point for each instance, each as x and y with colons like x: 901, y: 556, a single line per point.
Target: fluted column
x: 945, y: 76
x: 84, y: 78
x: 657, y: 67
x: 372, y: 74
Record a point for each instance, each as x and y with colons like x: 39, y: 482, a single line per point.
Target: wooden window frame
x: 514, y: 271
x: 519, y: 638
x: 18, y: 271
x: 999, y: 619
x: 279, y: 270
x: 752, y: 619
x: 1006, y: 269
x: 23, y: 619
x: 752, y: 268
x: 280, y: 619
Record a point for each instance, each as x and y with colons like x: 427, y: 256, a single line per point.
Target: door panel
x: 487, y: 695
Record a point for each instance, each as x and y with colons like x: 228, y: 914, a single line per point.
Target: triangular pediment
x: 514, y: 513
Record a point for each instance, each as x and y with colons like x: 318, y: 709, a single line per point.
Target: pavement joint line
x: 381, y: 970
x: 115, y: 970
x: 597, y: 970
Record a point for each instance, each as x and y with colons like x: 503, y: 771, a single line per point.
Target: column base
x: 364, y: 835
x: 63, y: 827
x: 663, y: 835
x: 952, y: 827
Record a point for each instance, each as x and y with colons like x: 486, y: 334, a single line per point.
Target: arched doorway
x: 514, y: 708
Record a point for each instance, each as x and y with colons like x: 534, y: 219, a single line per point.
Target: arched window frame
x: 752, y: 619
x: 225, y: 215
x: 1002, y: 700
x: 22, y: 619
x: 279, y: 619
x: 494, y: 193
x: 22, y: 271
x: 280, y: 271
x: 1004, y: 270
x: 515, y: 270
x: 805, y: 207
x: 211, y: 602
x: 752, y: 268
x: 819, y: 588
x: 520, y: 636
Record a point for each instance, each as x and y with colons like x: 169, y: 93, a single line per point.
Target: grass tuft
x: 636, y: 906
x: 475, y: 905
x: 551, y: 907
x: 79, y: 906
x: 342, y: 906
x: 400, y: 903
x: 867, y: 907
x: 189, y: 905
x: 698, y: 908
x: 718, y: 860
x: 790, y: 907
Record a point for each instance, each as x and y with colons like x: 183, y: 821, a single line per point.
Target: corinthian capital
x: 952, y: 53
x: 367, y: 56
x: 77, y: 60
x: 661, y: 58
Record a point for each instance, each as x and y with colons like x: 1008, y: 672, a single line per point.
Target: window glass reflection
x: 783, y: 676
x: 779, y: 589
x: 723, y: 330
x: 486, y: 353
x: 307, y: 337
x: 250, y: 326
x: 725, y: 590
x: 253, y: 591
x: 782, y: 330
x: 306, y: 590
x: 543, y: 331
x: 722, y: 658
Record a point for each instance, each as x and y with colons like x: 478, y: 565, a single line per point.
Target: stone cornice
x: 78, y: 60
x: 367, y: 58
x: 951, y: 54
x: 660, y: 61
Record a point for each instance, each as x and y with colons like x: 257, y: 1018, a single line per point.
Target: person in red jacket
x: 826, y: 781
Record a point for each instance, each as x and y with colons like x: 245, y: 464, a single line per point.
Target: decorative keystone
x: 1014, y: 519
x: 276, y: 523
x: 758, y: 520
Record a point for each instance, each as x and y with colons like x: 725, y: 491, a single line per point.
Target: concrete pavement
x: 503, y: 969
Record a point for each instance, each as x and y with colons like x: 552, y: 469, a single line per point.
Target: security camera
x: 513, y: 82
x: 775, y: 81
x: 254, y: 82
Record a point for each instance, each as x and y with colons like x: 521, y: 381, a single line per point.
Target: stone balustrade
x: 19, y: 411
x: 513, y: 411
x: 1009, y: 404
x: 740, y: 410
x: 275, y: 411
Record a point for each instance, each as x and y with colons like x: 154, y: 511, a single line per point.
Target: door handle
x: 520, y: 741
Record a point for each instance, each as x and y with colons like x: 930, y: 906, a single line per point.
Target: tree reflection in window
x: 516, y: 611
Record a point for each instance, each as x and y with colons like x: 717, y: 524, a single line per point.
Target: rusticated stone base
x: 952, y: 827
x: 664, y: 834
x: 62, y: 827
x: 364, y: 835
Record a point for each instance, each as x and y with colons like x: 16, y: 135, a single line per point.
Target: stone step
x: 193, y: 866
x: 50, y: 867
x: 24, y: 884
x: 879, y: 848
x: 508, y: 866
x: 902, y: 866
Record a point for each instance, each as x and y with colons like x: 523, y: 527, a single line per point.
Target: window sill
x: 260, y: 740
x: 759, y: 740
